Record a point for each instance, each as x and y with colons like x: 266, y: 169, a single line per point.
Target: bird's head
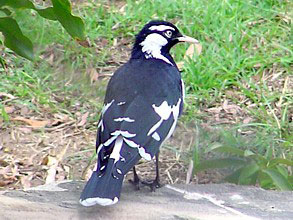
x: 156, y: 39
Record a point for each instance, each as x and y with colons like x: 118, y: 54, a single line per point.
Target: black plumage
x: 144, y: 99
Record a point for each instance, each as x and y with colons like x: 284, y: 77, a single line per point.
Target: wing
x: 142, y: 108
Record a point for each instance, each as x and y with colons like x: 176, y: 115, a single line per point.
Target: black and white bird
x: 144, y: 99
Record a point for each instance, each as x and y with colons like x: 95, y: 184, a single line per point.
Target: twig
x: 189, y: 172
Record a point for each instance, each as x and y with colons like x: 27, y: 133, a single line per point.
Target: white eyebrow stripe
x: 161, y: 28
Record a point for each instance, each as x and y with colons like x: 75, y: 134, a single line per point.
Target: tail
x: 105, y: 184
x: 103, y: 190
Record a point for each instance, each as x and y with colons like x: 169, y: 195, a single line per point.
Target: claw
x: 155, y: 184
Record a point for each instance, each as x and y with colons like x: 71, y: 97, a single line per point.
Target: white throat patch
x: 152, y: 46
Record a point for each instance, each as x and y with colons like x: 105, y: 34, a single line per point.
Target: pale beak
x: 188, y: 39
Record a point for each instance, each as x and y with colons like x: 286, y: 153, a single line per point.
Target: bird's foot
x: 155, y: 184
x: 136, y: 182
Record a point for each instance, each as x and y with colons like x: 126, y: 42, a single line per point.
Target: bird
x: 143, y: 101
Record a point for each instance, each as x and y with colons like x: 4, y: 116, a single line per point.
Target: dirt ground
x: 34, y: 152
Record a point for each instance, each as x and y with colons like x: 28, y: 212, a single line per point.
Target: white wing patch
x: 109, y: 141
x: 131, y: 143
x: 105, y: 108
x: 164, y: 111
x: 161, y: 28
x: 116, y: 150
x: 152, y: 45
x: 140, y: 149
x: 127, y: 119
x: 156, y: 136
x: 121, y: 103
x: 123, y: 133
x: 119, y: 137
x: 143, y: 154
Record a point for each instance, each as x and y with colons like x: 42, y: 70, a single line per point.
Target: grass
x: 247, y: 59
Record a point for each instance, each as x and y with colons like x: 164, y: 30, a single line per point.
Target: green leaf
x: 72, y: 24
x: 17, y: 3
x: 6, y: 11
x: 14, y: 39
x: 248, y: 153
x: 223, y: 149
x: 278, y: 179
x: 247, y: 172
x: 269, y: 153
x: 2, y: 61
x: 281, y: 161
x: 265, y: 181
x: 219, y: 163
x: 282, y: 170
x: 234, y: 177
x: 47, y: 13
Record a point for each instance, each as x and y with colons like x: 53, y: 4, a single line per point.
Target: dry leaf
x: 51, y: 160
x: 122, y: 9
x: 6, y: 182
x: 51, y: 174
x: 180, y: 65
x: 230, y: 37
x: 83, y: 119
x: 189, y: 54
x: 9, y: 109
x: 230, y: 108
x: 24, y: 110
x: 94, y: 75
x: 25, y: 130
x: 115, y: 42
x: 84, y: 43
x: 247, y: 120
x: 257, y: 65
x: 50, y: 59
x: 3, y: 163
x: 215, y: 110
x: 31, y: 122
x: 116, y: 26
x: 26, y: 181
x: 53, y: 163
x: 192, y: 49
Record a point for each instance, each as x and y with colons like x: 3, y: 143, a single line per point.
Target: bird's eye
x: 168, y: 33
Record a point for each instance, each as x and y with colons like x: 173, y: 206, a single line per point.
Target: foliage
x: 269, y: 169
x: 19, y: 43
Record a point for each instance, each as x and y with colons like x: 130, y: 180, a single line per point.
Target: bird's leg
x: 136, y: 181
x: 155, y: 183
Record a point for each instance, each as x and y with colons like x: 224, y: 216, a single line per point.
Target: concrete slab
x: 178, y: 202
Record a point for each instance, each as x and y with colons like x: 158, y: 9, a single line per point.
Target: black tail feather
x: 103, y: 189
